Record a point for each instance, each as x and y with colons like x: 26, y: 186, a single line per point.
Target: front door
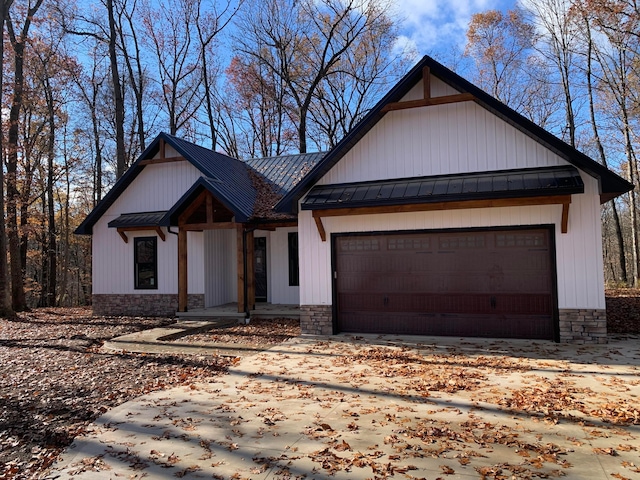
x: 260, y: 268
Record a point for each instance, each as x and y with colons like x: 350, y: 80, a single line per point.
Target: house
x: 443, y: 212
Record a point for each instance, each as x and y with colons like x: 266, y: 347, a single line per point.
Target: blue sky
x: 434, y: 27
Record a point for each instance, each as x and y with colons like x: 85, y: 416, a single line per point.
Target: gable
x: 156, y: 188
x: 439, y: 140
x: 470, y: 98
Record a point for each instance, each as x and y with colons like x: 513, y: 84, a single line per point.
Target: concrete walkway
x: 167, y: 340
x: 380, y: 406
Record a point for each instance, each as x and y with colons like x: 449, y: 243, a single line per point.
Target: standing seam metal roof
x: 287, y: 170
x: 531, y: 182
x: 229, y: 179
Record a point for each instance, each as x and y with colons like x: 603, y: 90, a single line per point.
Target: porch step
x: 205, y: 314
x: 258, y: 313
x: 230, y: 310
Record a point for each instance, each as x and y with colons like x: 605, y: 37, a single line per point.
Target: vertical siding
x: 113, y: 269
x: 156, y: 188
x: 579, y: 252
x: 220, y: 266
x: 278, y: 268
x: 443, y: 139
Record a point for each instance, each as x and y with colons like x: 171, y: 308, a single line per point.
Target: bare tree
x: 617, y: 62
x: 5, y: 302
x: 18, y: 41
x: 170, y: 33
x: 501, y: 46
x: 583, y: 15
x: 557, y: 43
x: 303, y: 42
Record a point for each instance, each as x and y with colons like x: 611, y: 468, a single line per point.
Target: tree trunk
x: 118, y: 99
x: 18, y: 300
x: 5, y: 303
x: 622, y: 260
x: 51, y: 248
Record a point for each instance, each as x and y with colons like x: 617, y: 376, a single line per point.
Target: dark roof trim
x: 530, y: 182
x: 611, y: 185
x: 186, y: 149
x: 203, y: 183
x: 86, y: 227
x: 143, y: 219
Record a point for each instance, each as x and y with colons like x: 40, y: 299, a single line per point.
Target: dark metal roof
x: 530, y: 182
x: 226, y: 177
x: 230, y: 180
x: 235, y: 186
x: 611, y: 185
x: 143, y: 219
x: 241, y: 211
x: 287, y: 170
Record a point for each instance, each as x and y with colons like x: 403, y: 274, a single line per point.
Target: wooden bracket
x: 318, y: 218
x: 565, y: 217
x: 122, y: 232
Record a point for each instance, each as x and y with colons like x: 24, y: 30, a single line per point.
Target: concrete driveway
x: 369, y: 407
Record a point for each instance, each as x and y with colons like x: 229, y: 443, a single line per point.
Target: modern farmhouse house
x: 443, y: 212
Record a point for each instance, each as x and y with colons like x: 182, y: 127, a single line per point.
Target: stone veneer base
x: 579, y: 325
x: 576, y: 325
x: 316, y: 319
x: 142, y: 305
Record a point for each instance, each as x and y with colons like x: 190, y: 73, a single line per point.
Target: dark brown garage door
x: 473, y: 283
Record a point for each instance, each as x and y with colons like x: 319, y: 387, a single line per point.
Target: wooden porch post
x: 182, y: 270
x: 251, y: 276
x: 240, y: 265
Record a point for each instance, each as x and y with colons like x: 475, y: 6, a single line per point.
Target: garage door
x: 472, y: 283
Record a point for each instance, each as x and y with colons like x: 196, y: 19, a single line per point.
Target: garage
x: 475, y: 283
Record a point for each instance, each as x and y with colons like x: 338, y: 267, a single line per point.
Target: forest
x: 84, y: 85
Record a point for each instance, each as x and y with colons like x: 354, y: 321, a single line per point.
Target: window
x: 294, y: 265
x: 146, y: 262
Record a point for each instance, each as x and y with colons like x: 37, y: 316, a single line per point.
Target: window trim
x: 294, y: 259
x: 136, y: 280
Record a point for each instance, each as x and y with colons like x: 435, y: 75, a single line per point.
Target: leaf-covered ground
x: 258, y: 333
x: 376, y: 407
x: 55, y: 380
x: 623, y: 310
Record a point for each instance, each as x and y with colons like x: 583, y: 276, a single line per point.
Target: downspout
x: 169, y: 230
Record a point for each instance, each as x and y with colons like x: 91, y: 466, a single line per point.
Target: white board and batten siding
x: 438, y: 140
x: 157, y: 187
x: 278, y: 289
x: 221, y: 266
x: 449, y: 139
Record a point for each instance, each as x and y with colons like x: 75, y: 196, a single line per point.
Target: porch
x: 230, y: 310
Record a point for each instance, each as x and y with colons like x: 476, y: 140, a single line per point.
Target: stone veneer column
x: 583, y: 325
x: 316, y: 319
x: 141, y: 305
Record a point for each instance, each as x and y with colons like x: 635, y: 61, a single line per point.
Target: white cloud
x: 440, y: 25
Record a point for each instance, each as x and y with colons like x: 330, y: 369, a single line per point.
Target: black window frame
x: 136, y: 264
x: 294, y: 259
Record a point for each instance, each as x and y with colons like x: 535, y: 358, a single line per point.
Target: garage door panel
x: 446, y: 283
x: 449, y: 325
